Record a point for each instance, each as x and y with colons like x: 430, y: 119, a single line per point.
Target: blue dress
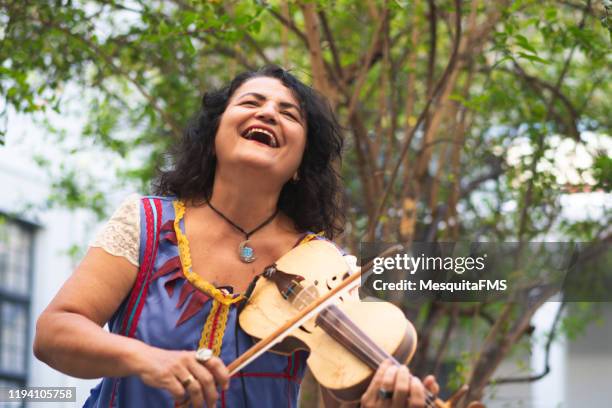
x: 171, y: 308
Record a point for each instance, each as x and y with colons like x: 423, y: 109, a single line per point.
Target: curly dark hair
x: 314, y: 202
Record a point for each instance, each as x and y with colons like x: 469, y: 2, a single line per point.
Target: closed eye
x: 289, y: 114
x: 250, y: 103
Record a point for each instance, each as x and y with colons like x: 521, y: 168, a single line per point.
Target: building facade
x: 35, y: 260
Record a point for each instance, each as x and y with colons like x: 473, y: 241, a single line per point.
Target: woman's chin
x: 259, y: 157
x: 256, y: 166
x: 257, y: 162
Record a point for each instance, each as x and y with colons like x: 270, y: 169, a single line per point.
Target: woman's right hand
x: 187, y: 379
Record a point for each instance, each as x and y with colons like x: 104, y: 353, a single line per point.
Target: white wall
x: 589, y: 364
x: 550, y: 390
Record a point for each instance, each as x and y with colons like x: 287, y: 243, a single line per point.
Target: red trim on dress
x: 143, y: 277
x: 268, y: 375
x: 143, y: 265
x: 145, y: 291
x: 214, y: 327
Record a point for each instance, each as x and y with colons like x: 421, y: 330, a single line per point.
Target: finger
x: 219, y: 371
x: 402, y: 387
x: 431, y: 384
x: 388, y: 382
x: 192, y: 387
x: 177, y: 390
x: 368, y: 399
x: 417, y: 393
x: 207, y: 383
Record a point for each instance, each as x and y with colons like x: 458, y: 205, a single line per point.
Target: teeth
x: 249, y: 135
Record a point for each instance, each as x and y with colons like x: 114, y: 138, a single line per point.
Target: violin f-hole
x: 305, y: 330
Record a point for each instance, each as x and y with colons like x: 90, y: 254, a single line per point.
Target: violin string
x: 379, y: 355
x: 372, y: 356
x: 382, y: 355
x: 364, y: 348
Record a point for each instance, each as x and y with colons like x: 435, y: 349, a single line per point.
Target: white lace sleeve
x: 121, y: 234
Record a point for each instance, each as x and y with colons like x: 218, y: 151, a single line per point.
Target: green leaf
x: 550, y: 13
x: 189, y: 45
x: 189, y: 18
x: 255, y: 26
x: 602, y: 172
x: 533, y: 58
x: 522, y: 42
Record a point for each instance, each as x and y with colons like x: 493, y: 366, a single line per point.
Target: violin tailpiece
x: 288, y: 284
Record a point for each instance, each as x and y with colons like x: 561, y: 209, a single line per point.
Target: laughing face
x: 262, y: 128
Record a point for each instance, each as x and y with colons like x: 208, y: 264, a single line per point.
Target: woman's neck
x: 246, y: 202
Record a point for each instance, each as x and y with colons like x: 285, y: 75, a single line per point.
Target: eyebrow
x: 285, y: 105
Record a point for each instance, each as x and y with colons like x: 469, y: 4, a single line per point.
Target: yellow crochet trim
x: 185, y: 256
x: 221, y: 301
x: 218, y: 327
x: 310, y: 237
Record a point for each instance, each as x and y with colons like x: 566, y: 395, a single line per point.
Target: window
x: 16, y: 249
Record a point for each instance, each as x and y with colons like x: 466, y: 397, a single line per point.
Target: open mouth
x: 261, y: 135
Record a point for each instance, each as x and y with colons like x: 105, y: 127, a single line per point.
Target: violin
x: 302, y: 302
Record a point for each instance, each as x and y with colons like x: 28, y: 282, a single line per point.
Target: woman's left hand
x: 394, y: 386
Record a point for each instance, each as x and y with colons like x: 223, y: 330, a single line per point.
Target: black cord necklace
x: 245, y: 252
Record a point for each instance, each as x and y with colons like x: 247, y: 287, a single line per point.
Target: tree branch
x: 257, y: 49
x: 450, y: 326
x: 420, y: 359
x: 288, y: 22
x: 439, y: 86
x: 523, y: 218
x: 317, y: 62
x: 364, y: 160
x: 339, y: 74
x: 94, y: 48
x: 551, y: 337
x: 408, y: 218
x: 510, y: 325
x: 232, y: 53
x: 497, y: 169
x: 361, y: 76
x: 538, y: 83
x: 433, y: 33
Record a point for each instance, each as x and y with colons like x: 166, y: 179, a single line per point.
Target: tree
x: 435, y: 97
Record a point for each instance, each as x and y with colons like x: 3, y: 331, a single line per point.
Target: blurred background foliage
x: 463, y: 119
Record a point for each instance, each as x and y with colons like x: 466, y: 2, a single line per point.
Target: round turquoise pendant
x: 245, y: 252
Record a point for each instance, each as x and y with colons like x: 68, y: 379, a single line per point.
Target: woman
x: 252, y: 176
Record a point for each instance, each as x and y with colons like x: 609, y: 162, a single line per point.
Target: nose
x: 267, y: 113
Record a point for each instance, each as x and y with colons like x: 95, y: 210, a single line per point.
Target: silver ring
x: 384, y: 394
x: 203, y: 355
